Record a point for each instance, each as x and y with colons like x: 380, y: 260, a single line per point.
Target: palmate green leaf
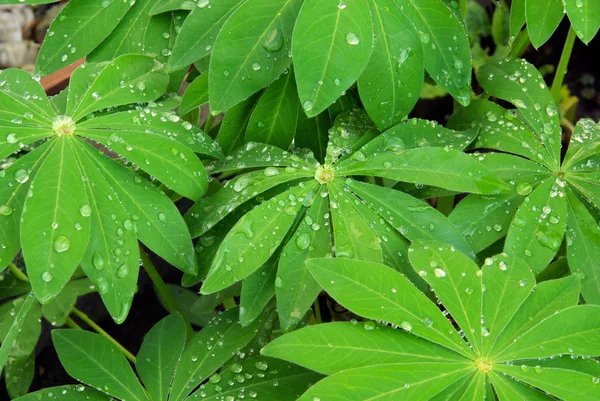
x: 566, y: 384
x: 521, y: 84
x: 128, y: 36
x: 253, y: 239
x: 23, y: 100
x: 85, y: 25
x: 195, y: 95
x: 127, y: 79
x: 55, y: 228
x: 446, y: 47
x: 111, y: 259
x: 257, y: 290
x: 399, y: 302
x: 160, y: 226
x: 352, y: 235
x: 251, y: 50
x: 160, y: 45
x: 585, y: 18
x: 453, y: 170
x: 297, y: 289
x: 94, y: 360
x: 413, y: 218
x: 517, y: 18
x: 209, y: 211
x: 543, y: 17
x: 388, y: 86
x: 418, y: 382
x: 19, y: 375
x: 313, y: 133
x: 172, y: 5
x: 266, y: 379
x: 584, y: 143
x: 235, y: 121
x: 331, y: 348
x: 457, y: 283
x: 208, y: 350
x: 21, y: 308
x: 159, y: 355
x: 66, y: 393
x: 13, y: 192
x: 548, y: 297
x: 331, y: 48
x: 199, y: 31
x: 28, y: 1
x: 537, y: 230
x: 583, y: 247
x: 275, y: 116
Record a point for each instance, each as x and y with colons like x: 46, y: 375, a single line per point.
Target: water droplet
x: 271, y: 171
x: 98, y: 261
x: 256, y: 66
x: 261, y: 365
x: 278, y: 282
x: 273, y: 41
x: 85, y: 210
x: 6, y: 210
x: 369, y: 325
x: 21, y: 176
x: 46, y: 277
x: 524, y: 188
x: 352, y: 39
x: 62, y: 244
x: 406, y: 326
x: 11, y: 138
x: 308, y: 105
x: 162, y: 217
x: 439, y: 272
x: 96, y: 96
x: 123, y: 271
x: 303, y: 241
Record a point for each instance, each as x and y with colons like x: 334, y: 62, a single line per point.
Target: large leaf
x: 537, y: 230
x: 331, y: 48
x: 127, y: 79
x: 388, y: 86
x: 97, y: 362
x: 128, y: 36
x: 208, y: 350
x: 199, y: 31
x: 453, y: 170
x: 274, y: 118
x: 159, y: 355
x: 331, y: 348
x: 297, y: 289
x: 543, y: 17
x: 23, y: 101
x: 446, y: 47
x: 585, y: 18
x: 12, y: 331
x: 583, y: 248
x: 258, y: 378
x: 254, y: 238
x: 79, y: 28
x: 257, y: 290
x: 251, y: 50
x: 457, y: 283
x: 517, y: 18
x: 55, y: 228
x: 385, y: 295
x: 66, y: 393
x: 111, y: 259
x: 509, y: 390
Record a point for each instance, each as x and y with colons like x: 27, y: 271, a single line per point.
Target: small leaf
x: 509, y: 390
x: 172, y: 5
x: 235, y: 122
x: 23, y: 307
x: 195, y: 95
x: 85, y: 26
x: 275, y: 116
x: 331, y: 48
x: 334, y: 347
x: 543, y: 17
x: 97, y: 362
x: 254, y: 238
x: 22, y: 97
x: 66, y: 393
x: 378, y: 292
x: 313, y: 133
x: 248, y: 57
x: 257, y: 290
x: 537, y: 230
x: 58, y: 310
x: 54, y: 233
x: 585, y: 18
x: 213, y: 346
x: 583, y: 144
x: 159, y: 355
x: 517, y: 18
x: 19, y: 375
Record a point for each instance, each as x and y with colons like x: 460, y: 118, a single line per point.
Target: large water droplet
x: 98, y: 261
x: 303, y: 241
x: 273, y: 41
x: 352, y: 39
x: 62, y: 244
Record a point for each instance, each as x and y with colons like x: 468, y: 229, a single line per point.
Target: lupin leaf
x: 24, y: 305
x: 543, y: 17
x: 585, y: 18
x: 67, y: 393
x: 257, y: 290
x: 195, y: 95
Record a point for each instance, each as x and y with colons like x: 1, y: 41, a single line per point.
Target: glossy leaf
x: 331, y: 48
x: 195, y: 95
x: 257, y: 290
x: 399, y: 302
x: 66, y: 393
x: 543, y: 17
x: 585, y: 18
x: 159, y: 355
x: 275, y: 116
x: 235, y: 122
x: 251, y: 50
x: 389, y: 85
x: 517, y: 18
x: 508, y: 390
x: 22, y: 97
x: 23, y: 306
x: 313, y: 134
x: 19, y: 375
x: 95, y: 361
x: 54, y: 231
x: 171, y: 5
x: 85, y: 26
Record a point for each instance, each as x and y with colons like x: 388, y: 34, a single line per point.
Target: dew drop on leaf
x: 62, y: 244
x: 352, y: 39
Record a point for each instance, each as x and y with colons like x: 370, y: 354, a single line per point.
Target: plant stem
x: 208, y: 123
x: 562, y: 65
x: 521, y: 44
x: 103, y: 333
x: 445, y: 204
x: 17, y: 272
x: 317, y: 311
x: 163, y: 291
x: 71, y: 323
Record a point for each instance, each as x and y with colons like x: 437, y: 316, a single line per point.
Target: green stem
x: 163, y: 291
x: 445, y: 204
x: 209, y: 123
x: 17, y: 272
x: 521, y: 44
x: 71, y: 323
x: 317, y: 311
x: 103, y: 333
x: 562, y: 64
